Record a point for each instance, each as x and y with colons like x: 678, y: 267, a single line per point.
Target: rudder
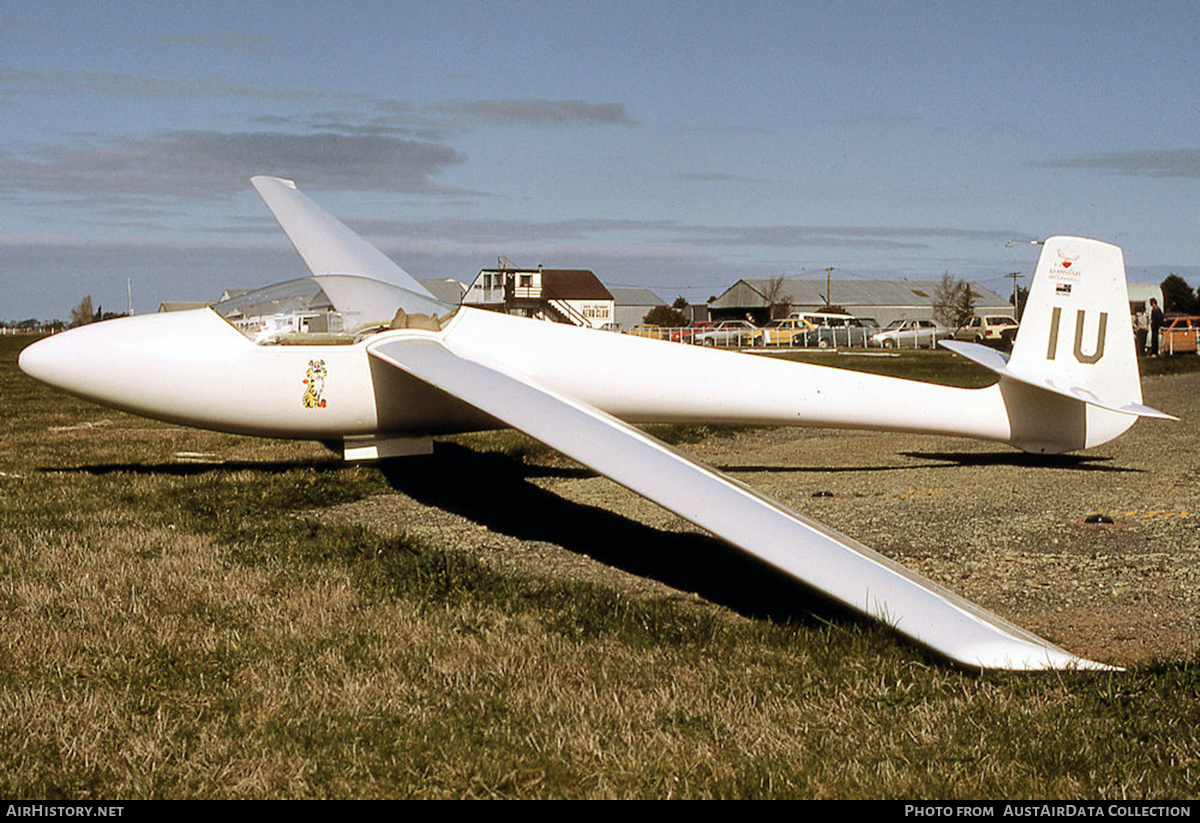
x: 1076, y: 328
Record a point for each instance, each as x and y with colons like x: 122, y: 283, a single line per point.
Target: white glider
x: 373, y: 360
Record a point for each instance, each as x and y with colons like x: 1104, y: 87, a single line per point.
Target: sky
x: 674, y: 145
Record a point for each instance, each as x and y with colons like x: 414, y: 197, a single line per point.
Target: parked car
x: 676, y: 334
x: 653, y: 332
x: 853, y: 333
x: 728, y: 333
x: 910, y: 334
x: 687, y: 334
x: 986, y: 329
x: 1180, y: 335
x: 784, y: 332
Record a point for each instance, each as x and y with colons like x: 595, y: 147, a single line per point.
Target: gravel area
x: 1001, y: 528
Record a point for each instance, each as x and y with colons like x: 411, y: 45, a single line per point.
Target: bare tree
x: 82, y: 314
x: 947, y: 298
x: 778, y: 302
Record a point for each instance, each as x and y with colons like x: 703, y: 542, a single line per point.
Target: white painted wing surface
x: 327, y: 245
x: 836, y: 565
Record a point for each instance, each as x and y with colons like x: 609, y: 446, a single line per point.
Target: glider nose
x: 173, y: 365
x: 50, y: 361
x: 89, y: 361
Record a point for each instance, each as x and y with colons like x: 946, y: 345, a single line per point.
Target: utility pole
x: 1015, y: 275
x: 829, y: 286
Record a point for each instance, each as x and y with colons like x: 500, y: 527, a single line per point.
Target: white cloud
x: 1164, y: 163
x: 205, y: 163
x: 535, y: 112
x: 20, y: 82
x: 366, y: 109
x: 845, y: 237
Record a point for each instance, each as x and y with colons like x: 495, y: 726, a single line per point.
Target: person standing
x: 1156, y: 323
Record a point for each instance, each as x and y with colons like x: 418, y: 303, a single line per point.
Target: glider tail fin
x: 1076, y: 341
x: 1076, y: 330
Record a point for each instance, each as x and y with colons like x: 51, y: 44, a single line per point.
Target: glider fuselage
x: 195, y: 368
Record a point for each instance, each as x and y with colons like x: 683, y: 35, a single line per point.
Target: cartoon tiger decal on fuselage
x: 314, y: 383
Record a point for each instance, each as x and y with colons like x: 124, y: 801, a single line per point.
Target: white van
x: 826, y: 320
x: 834, y: 329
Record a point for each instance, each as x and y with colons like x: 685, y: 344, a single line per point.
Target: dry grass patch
x: 174, y: 629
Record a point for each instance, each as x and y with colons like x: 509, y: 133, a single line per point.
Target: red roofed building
x: 573, y: 296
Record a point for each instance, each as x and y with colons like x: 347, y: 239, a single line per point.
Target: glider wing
x: 820, y: 557
x: 324, y: 242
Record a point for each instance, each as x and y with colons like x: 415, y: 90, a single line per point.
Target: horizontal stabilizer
x: 1002, y: 365
x: 832, y: 563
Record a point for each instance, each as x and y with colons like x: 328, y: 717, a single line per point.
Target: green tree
x: 1178, y: 295
x: 964, y: 307
x: 1022, y: 297
x: 664, y: 316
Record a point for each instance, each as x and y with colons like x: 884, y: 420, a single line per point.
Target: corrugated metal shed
x: 635, y: 296
x: 885, y: 300
x: 633, y: 304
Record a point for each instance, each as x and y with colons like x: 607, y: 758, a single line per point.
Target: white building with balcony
x: 573, y: 296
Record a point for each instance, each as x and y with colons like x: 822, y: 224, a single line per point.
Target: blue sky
x: 676, y: 145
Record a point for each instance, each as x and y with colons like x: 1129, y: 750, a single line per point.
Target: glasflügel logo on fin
x: 1066, y: 265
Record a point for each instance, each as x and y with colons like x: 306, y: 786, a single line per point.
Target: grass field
x: 176, y: 624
